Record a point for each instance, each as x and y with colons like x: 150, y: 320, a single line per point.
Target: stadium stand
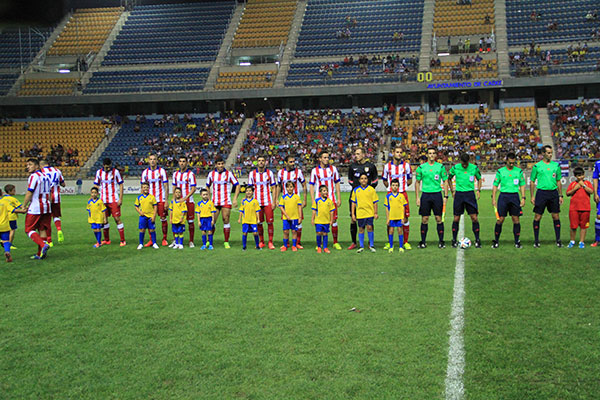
x: 531, y: 21
x: 201, y: 139
x: 47, y: 87
x: 153, y: 34
x: 305, y: 133
x: 463, y: 17
x: 520, y: 114
x: 265, y: 23
x: 86, y: 31
x: 155, y: 80
x: 246, y: 79
x: 572, y: 60
x: 16, y: 52
x: 576, y: 131
x: 69, y: 143
x: 340, y: 28
x: 6, y: 82
x: 464, y: 69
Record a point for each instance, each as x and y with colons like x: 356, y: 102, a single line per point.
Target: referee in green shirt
x: 549, y: 194
x: 465, y: 196
x: 430, y: 177
x: 511, y: 181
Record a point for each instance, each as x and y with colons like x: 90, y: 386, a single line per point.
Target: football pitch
x: 225, y: 324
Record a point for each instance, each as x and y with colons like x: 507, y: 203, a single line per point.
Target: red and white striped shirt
x: 328, y: 176
x: 185, y: 180
x: 39, y: 185
x: 262, y: 182
x: 402, y: 172
x: 56, y: 179
x: 156, y: 178
x: 222, y: 183
x: 296, y: 176
x: 109, y: 182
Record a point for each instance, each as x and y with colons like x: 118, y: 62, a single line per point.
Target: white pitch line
x: 455, y: 389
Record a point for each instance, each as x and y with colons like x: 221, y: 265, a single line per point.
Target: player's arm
x: 137, y: 208
x: 560, y: 193
x: 353, y: 210
x: 409, y: 179
x: 304, y: 190
x: 300, y: 214
x: 532, y: 185
x: 375, y: 207
x: 479, y: 184
x: 155, y: 207
x: 596, y: 197
x: 494, y: 191
x: 573, y: 187
x: 236, y: 195
x: 374, y: 177
x: 445, y: 188
x: 338, y: 194
x: 283, y: 213
x: 214, y: 217
x: 167, y: 193
x: 418, y: 192
x: 350, y: 176
x: 387, y: 212
x: 314, y: 215
x: 588, y: 189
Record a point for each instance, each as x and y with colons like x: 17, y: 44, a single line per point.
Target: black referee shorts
x: 431, y: 202
x: 509, y: 203
x: 466, y: 200
x: 546, y: 199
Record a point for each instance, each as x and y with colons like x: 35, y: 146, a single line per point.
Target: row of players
x: 42, y: 201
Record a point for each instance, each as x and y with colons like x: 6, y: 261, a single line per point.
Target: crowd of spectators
x: 305, y: 134
x: 486, y: 45
x: 534, y: 61
x: 57, y: 156
x: 576, y: 130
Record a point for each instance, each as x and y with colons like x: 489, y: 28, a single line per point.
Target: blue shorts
x: 509, y: 203
x: 206, y: 224
x: 97, y: 226
x: 146, y: 223
x: 178, y: 228
x: 5, y: 236
x: 362, y: 222
x: 249, y: 228
x: 597, y: 211
x: 322, y: 228
x: 290, y: 224
x: 13, y: 225
x: 396, y: 223
x: 431, y: 202
x: 546, y: 199
x: 465, y: 200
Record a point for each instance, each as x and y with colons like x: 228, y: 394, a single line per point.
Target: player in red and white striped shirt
x: 265, y: 190
x: 56, y: 181
x: 185, y: 180
x: 37, y: 204
x: 110, y: 182
x: 326, y: 174
x: 291, y: 173
x: 399, y: 169
x: 220, y: 182
x: 156, y: 177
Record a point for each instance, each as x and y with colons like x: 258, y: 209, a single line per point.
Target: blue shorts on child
x: 178, y: 228
x: 5, y: 236
x: 362, y: 222
x: 13, y: 225
x: 97, y: 226
x: 249, y: 228
x: 322, y: 228
x: 206, y: 224
x: 395, y: 223
x: 290, y: 224
x: 146, y: 223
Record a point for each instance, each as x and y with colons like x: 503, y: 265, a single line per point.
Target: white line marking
x: 456, y: 345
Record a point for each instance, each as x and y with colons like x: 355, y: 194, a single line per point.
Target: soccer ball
x: 464, y: 243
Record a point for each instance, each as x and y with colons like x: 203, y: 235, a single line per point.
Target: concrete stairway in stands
x: 501, y: 38
x: 290, y: 48
x: 239, y: 141
x: 426, y: 35
x: 545, y: 130
x: 84, y: 171
x: 431, y: 118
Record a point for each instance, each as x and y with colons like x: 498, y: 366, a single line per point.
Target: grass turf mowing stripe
x: 456, y: 349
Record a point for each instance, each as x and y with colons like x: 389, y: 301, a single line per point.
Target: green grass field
x: 165, y: 324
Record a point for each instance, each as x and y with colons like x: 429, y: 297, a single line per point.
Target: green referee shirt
x: 465, y: 177
x: 431, y: 176
x: 509, y: 180
x: 546, y: 174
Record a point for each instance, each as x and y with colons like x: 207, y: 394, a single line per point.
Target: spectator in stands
x: 552, y: 26
x: 487, y: 20
x: 591, y: 16
x: 6, y: 157
x: 26, y: 126
x: 398, y: 36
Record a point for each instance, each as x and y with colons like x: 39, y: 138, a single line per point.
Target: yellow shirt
x: 290, y: 205
x: 95, y: 209
x: 395, y: 204
x: 364, y: 199
x: 324, y: 208
x: 249, y: 210
x: 205, y: 209
x: 12, y: 205
x: 146, y: 203
x: 4, y: 214
x: 178, y: 211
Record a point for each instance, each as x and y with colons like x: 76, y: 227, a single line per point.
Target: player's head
x: 359, y: 154
x: 289, y: 187
x: 579, y: 173
x: 153, y: 161
x: 219, y: 164
x: 324, y: 159
x: 431, y: 154
x: 204, y: 194
x: 94, y: 192
x: 261, y: 162
x: 363, y: 179
x: 511, y: 159
x: 177, y: 193
x: 183, y: 163
x: 547, y: 152
x: 249, y: 191
x: 464, y: 159
x: 323, y: 192
x: 145, y: 188
x: 395, y: 185
x: 290, y: 162
x: 33, y: 165
x: 397, y: 153
x: 10, y: 189
x: 107, y: 164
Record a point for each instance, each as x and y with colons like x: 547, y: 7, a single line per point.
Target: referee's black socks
x: 476, y: 230
x: 424, y: 228
x: 440, y: 229
x: 557, y: 229
x: 517, y: 232
x: 497, y: 231
x: 536, y: 230
x: 454, y: 230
